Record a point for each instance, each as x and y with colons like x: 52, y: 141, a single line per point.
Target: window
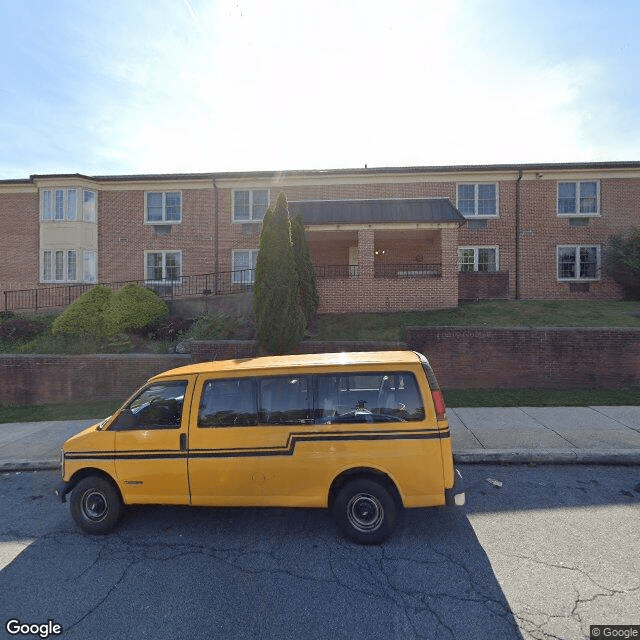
x: 579, y: 198
x: 163, y: 207
x: 90, y: 266
x: 60, y: 204
x: 368, y: 397
x: 250, y: 206
x: 482, y: 259
x: 59, y: 266
x: 355, y: 398
x: 244, y: 266
x: 478, y: 200
x: 228, y: 403
x: 163, y: 265
x: 158, y: 406
x: 285, y: 400
x: 88, y: 205
x: 578, y: 262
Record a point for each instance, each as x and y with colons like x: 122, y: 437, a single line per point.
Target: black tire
x: 95, y: 505
x: 365, y: 511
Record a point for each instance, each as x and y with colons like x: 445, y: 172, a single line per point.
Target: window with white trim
x: 163, y: 207
x: 59, y: 265
x: 578, y: 262
x: 480, y: 259
x: 88, y: 205
x: 579, y: 198
x: 244, y: 266
x: 478, y: 200
x: 90, y: 266
x: 250, y: 205
x: 162, y: 266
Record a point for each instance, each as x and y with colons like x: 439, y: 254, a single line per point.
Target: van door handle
x: 183, y: 442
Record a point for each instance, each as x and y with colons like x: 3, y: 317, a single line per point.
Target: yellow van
x: 364, y: 434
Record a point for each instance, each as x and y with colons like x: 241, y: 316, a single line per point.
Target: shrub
x: 214, y: 327
x: 86, y: 316
x: 133, y: 308
x: 20, y: 329
x: 171, y: 328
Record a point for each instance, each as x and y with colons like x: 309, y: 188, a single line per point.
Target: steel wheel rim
x: 94, y: 505
x: 365, y: 512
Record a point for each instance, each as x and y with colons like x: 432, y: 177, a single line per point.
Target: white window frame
x: 69, y: 204
x: 56, y: 264
x: 577, y: 213
x: 244, y: 276
x: 476, y: 257
x: 475, y: 215
x: 251, y: 217
x: 576, y: 249
x: 89, y: 213
x: 164, y: 220
x: 164, y: 254
x: 90, y: 266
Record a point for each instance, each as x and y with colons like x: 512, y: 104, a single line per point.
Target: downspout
x: 518, y: 234
x: 215, y: 234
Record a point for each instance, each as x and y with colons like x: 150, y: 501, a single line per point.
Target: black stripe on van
x: 286, y: 450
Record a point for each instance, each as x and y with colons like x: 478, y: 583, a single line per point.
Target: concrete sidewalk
x: 582, y: 435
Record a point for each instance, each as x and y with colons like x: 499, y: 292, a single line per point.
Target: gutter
x: 517, y: 231
x: 215, y: 232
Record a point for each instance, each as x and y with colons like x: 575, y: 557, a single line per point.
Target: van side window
x: 285, y: 400
x: 158, y: 406
x: 228, y: 402
x: 368, y: 397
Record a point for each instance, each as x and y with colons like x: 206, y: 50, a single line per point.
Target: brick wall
x: 19, y: 221
x: 42, y: 379
x: 529, y: 358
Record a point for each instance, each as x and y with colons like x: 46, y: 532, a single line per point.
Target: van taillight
x: 438, y: 403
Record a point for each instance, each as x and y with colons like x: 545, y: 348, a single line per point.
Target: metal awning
x: 383, y: 210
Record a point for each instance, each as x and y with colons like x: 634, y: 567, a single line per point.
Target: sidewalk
x: 542, y: 435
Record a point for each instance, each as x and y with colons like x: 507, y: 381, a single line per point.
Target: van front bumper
x: 455, y: 496
x: 62, y: 489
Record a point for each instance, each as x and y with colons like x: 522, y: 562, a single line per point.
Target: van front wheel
x: 365, y: 511
x: 95, y: 505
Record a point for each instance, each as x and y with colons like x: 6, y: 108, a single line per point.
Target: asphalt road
x: 551, y: 551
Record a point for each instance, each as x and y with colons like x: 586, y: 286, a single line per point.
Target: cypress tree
x: 279, y: 318
x: 306, y: 273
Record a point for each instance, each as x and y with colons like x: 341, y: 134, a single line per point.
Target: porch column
x: 366, y: 243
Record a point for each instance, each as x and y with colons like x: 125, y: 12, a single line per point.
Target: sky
x: 113, y: 87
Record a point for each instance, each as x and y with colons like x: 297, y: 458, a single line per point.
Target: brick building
x: 381, y: 239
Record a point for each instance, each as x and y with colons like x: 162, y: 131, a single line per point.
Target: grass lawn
x: 508, y: 313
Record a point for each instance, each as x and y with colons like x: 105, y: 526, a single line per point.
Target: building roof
x: 373, y: 211
x: 370, y: 171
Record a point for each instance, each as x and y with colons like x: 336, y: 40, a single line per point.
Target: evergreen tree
x: 280, y: 321
x: 306, y: 273
x: 622, y: 262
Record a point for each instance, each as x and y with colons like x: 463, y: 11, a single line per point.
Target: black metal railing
x: 336, y: 270
x: 222, y: 282
x: 408, y: 270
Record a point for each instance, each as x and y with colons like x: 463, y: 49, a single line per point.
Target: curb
x: 614, y: 457
x: 619, y: 457
x: 29, y: 465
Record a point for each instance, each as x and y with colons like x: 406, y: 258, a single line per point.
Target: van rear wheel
x: 95, y: 505
x: 365, y: 511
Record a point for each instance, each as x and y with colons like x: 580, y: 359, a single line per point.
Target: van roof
x: 295, y: 361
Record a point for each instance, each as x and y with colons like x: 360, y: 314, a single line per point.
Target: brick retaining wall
x: 492, y: 358
x: 463, y: 357
x: 42, y: 379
